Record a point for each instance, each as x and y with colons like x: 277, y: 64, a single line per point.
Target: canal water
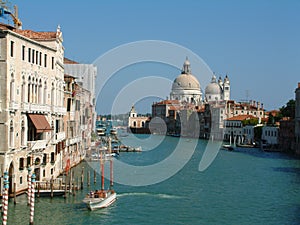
x: 245, y: 186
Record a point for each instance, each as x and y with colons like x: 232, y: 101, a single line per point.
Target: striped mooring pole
x: 29, y: 186
x: 5, y: 198
x: 32, y: 199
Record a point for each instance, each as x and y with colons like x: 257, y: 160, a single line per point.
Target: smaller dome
x: 213, y: 88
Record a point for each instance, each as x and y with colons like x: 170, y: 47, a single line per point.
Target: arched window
x: 52, y: 95
x: 40, y: 92
x: 143, y: 124
x: 29, y: 90
x: 12, y: 88
x: 45, y: 93
x: 22, y: 133
x: 11, y: 134
x: 134, y: 124
x: 23, y: 98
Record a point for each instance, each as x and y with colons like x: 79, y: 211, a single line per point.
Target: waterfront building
x: 234, y: 128
x: 270, y: 135
x: 137, y: 123
x: 78, y: 122
x: 286, y: 134
x: 31, y: 104
x: 297, y: 120
x: 85, y: 76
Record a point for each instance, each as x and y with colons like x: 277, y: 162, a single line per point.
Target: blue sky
x: 255, y: 42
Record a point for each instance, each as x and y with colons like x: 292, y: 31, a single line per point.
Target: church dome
x: 213, y: 88
x: 186, y: 81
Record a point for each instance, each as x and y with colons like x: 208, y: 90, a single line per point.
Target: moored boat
x: 102, y: 198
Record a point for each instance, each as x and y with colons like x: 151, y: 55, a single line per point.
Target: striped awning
x: 40, y: 122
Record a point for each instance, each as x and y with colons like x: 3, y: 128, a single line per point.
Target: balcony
x: 59, y: 110
x: 13, y: 106
x: 60, y: 136
x: 74, y: 140
x: 34, y: 145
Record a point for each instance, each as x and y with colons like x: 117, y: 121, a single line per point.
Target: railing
x: 13, y: 105
x: 34, y: 145
x: 60, y: 136
x: 74, y: 140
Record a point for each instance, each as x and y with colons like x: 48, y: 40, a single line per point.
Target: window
x: 45, y: 60
x: 37, y: 57
x: 69, y: 105
x: 28, y: 161
x: 23, y: 52
x: 44, y: 159
x: 33, y: 55
x: 11, y: 139
x: 22, y: 133
x: 21, y: 163
x: 29, y: 54
x: 21, y: 180
x: 52, y: 62
x: 40, y: 62
x: 12, y: 48
x: 44, y: 173
x: 52, y: 157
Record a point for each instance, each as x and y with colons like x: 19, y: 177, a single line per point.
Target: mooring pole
x: 29, y: 186
x: 5, y: 198
x: 32, y: 199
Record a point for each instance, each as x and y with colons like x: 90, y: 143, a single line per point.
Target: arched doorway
x: 11, y: 178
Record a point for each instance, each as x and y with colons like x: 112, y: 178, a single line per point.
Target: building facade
x: 31, y: 104
x: 297, y: 120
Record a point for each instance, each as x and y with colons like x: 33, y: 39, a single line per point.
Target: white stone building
x: 270, y: 135
x: 31, y: 104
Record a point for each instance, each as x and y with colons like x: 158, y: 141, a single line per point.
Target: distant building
x: 186, y: 87
x: 136, y: 123
x: 234, y: 128
x: 85, y: 77
x: 286, y: 135
x: 270, y: 135
x: 217, y: 91
x: 297, y: 120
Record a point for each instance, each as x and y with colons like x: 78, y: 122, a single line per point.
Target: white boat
x: 102, y: 198
x: 113, y: 131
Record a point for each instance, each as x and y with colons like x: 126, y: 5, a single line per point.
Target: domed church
x: 217, y: 91
x: 186, y: 87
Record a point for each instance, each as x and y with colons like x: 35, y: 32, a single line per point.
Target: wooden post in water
x: 39, y: 188
x: 65, y: 196
x: 88, y: 178
x: 15, y: 193
x: 81, y: 185
x: 95, y: 178
x: 51, y: 186
x: 70, y: 182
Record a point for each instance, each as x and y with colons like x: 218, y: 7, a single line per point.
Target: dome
x: 186, y: 82
x: 213, y: 88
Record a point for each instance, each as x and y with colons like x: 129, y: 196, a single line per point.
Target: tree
x: 288, y: 110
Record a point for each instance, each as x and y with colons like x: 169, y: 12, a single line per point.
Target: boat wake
x: 157, y: 195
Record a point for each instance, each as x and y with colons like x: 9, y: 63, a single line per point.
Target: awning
x: 40, y: 123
